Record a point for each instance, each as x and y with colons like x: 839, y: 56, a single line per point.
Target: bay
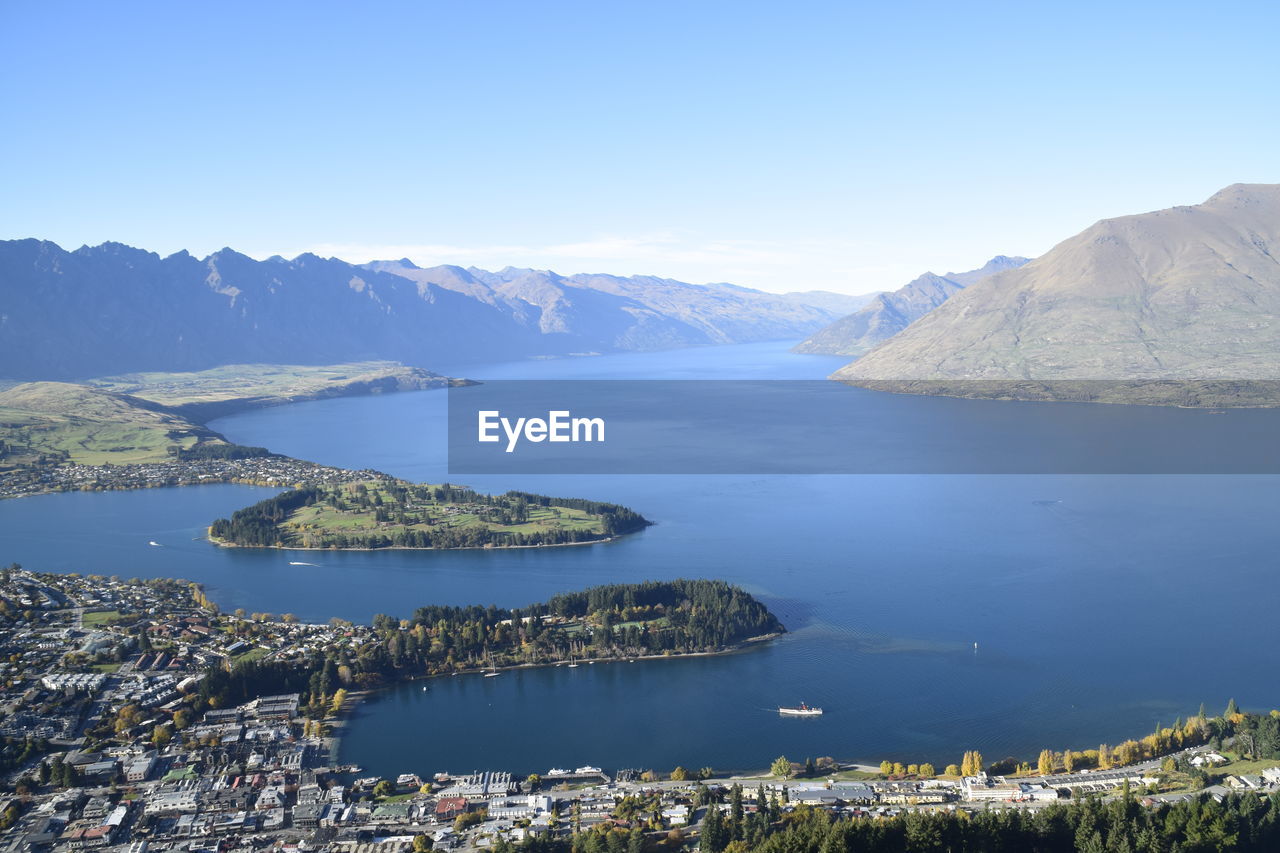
x: 1101, y: 605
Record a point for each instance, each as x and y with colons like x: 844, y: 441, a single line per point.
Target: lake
x: 1100, y: 604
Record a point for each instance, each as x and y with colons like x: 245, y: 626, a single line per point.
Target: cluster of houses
x: 248, y: 776
x: 259, y: 471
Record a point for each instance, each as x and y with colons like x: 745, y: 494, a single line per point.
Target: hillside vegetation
x: 58, y: 422
x: 208, y: 394
x: 393, y: 514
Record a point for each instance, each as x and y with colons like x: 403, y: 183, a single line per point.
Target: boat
x: 573, y: 664
x: 154, y: 544
x: 802, y: 711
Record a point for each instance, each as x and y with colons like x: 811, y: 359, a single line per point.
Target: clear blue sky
x: 788, y: 145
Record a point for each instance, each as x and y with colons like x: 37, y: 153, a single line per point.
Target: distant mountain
x: 837, y: 303
x: 886, y: 314
x: 999, y: 263
x: 1185, y: 293
x: 635, y: 312
x: 116, y: 309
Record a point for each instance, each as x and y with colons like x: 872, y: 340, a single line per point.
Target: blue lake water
x: 1101, y: 605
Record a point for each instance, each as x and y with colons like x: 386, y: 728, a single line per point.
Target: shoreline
x: 1040, y: 391
x: 205, y: 480
x: 44, y: 479
x: 728, y: 650
x: 222, y: 543
x: 205, y: 411
x: 356, y: 697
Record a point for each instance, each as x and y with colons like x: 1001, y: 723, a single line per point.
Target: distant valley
x: 886, y: 314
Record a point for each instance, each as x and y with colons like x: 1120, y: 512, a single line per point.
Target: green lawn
x: 99, y: 618
x: 425, y: 515
x: 253, y: 654
x: 242, y: 381
x: 1238, y: 767
x: 90, y: 427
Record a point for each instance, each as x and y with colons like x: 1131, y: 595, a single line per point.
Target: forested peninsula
x: 613, y: 622
x: 388, y: 513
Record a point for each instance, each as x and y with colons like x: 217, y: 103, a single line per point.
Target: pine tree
x: 735, y: 812
x: 715, y: 835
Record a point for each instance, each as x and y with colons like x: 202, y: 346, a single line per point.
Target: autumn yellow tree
x: 971, y: 764
x: 1126, y: 753
x: 1045, y: 764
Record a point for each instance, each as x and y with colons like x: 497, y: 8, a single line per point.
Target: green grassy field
x: 253, y: 654
x: 433, y: 516
x: 357, y: 514
x: 146, y: 417
x: 388, y: 513
x: 98, y: 618
x: 1238, y: 767
x: 205, y: 393
x: 74, y: 423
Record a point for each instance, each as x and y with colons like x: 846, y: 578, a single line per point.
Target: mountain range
x: 886, y: 314
x: 1187, y: 293
x: 116, y: 309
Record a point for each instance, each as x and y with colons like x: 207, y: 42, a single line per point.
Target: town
x: 115, y: 737
x: 265, y: 470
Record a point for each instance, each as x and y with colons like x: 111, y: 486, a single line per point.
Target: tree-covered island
x: 388, y: 513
